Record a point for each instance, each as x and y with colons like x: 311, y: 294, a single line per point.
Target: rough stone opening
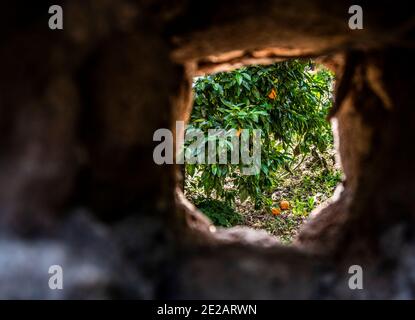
x: 311, y: 175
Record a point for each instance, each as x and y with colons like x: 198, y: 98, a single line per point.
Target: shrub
x: 288, y: 101
x: 220, y: 213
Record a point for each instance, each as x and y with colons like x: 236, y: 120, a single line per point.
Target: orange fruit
x: 284, y: 205
x: 276, y: 211
x: 273, y: 94
x: 238, y: 133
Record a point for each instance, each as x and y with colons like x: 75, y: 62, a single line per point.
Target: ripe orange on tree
x: 273, y: 94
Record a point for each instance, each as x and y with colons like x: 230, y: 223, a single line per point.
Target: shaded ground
x: 311, y: 184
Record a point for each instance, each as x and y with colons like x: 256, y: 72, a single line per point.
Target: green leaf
x: 238, y: 78
x: 246, y: 76
x: 191, y: 170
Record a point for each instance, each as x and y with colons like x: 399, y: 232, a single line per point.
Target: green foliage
x: 304, y: 195
x: 288, y: 101
x: 220, y: 213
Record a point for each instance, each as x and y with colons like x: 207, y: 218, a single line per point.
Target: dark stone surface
x: 78, y: 186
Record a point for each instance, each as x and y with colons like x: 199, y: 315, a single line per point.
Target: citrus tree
x: 288, y: 101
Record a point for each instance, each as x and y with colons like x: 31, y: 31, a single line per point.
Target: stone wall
x: 79, y: 188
